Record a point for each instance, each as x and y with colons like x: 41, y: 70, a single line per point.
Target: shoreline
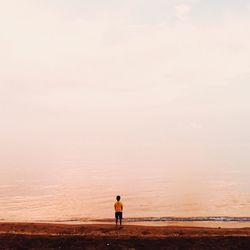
x: 21, y: 235
x: 139, y: 222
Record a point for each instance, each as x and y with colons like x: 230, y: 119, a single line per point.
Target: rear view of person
x: 118, y: 210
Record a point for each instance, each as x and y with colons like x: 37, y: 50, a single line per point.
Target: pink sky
x: 102, y: 86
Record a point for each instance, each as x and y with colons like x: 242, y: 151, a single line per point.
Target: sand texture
x: 61, y: 236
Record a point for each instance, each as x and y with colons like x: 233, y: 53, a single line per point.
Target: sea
x: 75, y: 191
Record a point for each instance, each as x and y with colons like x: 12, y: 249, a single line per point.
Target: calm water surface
x: 74, y: 190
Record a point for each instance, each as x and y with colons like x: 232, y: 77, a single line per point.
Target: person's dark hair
x: 118, y: 197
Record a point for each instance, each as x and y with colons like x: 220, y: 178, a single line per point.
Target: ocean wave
x: 153, y: 219
x: 181, y: 219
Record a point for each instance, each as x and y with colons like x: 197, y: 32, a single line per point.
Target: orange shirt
x: 118, y: 206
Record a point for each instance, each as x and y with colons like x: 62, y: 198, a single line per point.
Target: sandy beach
x: 99, y: 236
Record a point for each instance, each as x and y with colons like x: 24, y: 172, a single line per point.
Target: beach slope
x: 62, y: 236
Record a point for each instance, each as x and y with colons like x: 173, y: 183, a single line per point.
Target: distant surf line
x: 163, y: 219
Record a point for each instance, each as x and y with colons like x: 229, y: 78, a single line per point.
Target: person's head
x: 118, y: 197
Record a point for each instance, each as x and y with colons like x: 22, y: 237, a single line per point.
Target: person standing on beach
x: 118, y: 210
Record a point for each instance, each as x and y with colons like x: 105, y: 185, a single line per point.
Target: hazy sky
x: 121, y: 82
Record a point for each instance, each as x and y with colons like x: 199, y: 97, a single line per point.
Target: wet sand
x: 99, y: 236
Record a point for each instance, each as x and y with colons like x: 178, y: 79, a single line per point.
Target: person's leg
x: 121, y: 218
x: 116, y: 218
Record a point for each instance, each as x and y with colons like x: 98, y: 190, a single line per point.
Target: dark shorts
x: 118, y: 215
